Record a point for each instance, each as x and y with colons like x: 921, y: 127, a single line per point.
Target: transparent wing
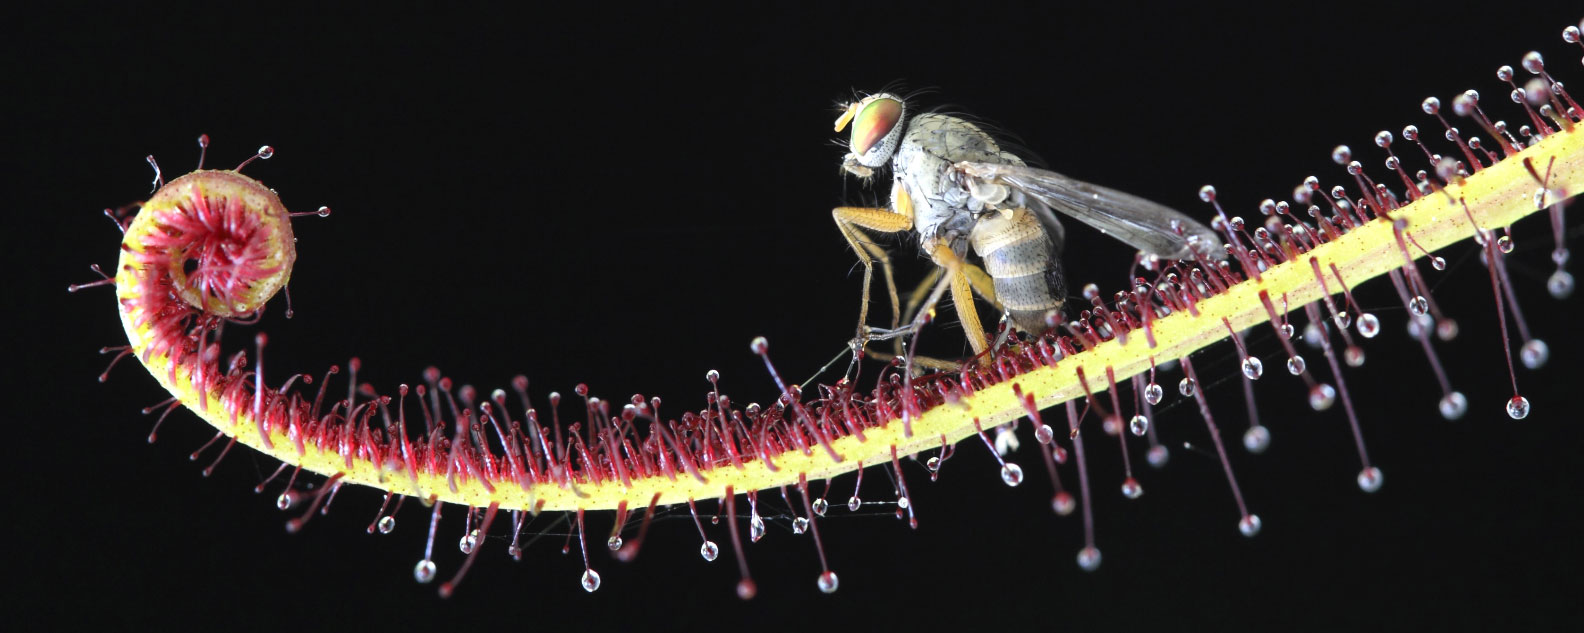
x: 1150, y: 227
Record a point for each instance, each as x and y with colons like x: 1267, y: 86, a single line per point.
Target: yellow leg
x: 962, y: 296
x: 962, y: 299
x: 922, y: 291
x: 982, y: 284
x: 850, y: 221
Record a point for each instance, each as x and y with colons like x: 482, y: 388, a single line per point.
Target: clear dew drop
x: 1560, y: 284
x: 1418, y: 305
x: 828, y: 582
x: 756, y: 528
x: 709, y: 550
x: 386, y: 524
x: 1534, y: 354
x: 902, y: 502
x: 424, y: 571
x: 1063, y: 503
x: 468, y: 541
x: 590, y: 580
x: 1158, y: 456
x: 1132, y: 489
x: 933, y: 464
x: 1256, y: 439
x: 1295, y: 365
x: 1186, y: 387
x: 800, y: 525
x: 1287, y: 331
x: 821, y: 506
x: 1368, y: 325
x: 1250, y: 525
x: 1453, y: 405
x: 1322, y: 396
x: 1044, y: 434
x: 1353, y: 356
x: 1505, y: 243
x: 285, y: 500
x: 1437, y: 262
x: 1153, y: 392
x: 1139, y: 425
x: 1370, y: 479
x: 1011, y: 474
x: 854, y: 503
x: 614, y: 542
x: 1089, y: 559
x: 1252, y: 370
x: 1343, y: 319
x: 1518, y: 407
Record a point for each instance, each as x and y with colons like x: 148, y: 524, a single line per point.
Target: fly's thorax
x: 930, y: 146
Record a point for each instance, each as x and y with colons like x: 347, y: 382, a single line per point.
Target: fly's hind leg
x: 962, y: 295
x: 978, y: 279
x: 982, y: 285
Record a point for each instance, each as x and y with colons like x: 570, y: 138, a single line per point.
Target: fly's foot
x: 870, y: 333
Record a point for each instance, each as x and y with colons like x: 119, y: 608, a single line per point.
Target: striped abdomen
x: 1021, y: 258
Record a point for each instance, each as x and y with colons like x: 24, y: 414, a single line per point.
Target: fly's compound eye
x: 873, y: 123
x: 875, y: 128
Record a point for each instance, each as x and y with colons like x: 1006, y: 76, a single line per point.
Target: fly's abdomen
x: 1021, y: 259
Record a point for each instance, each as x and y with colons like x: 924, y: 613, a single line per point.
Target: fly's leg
x: 917, y: 361
x: 962, y: 295
x: 851, y: 221
x: 982, y: 285
x: 927, y: 294
x: 980, y: 280
x: 922, y: 291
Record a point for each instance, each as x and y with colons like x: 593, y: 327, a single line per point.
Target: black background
x: 626, y: 197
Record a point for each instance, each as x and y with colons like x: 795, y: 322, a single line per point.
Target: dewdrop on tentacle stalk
x: 209, y: 249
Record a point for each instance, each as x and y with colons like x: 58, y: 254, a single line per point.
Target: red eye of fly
x: 873, y: 123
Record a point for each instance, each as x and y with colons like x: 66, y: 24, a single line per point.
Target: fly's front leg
x: 851, y: 221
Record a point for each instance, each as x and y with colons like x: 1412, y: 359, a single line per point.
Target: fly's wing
x: 1153, y: 228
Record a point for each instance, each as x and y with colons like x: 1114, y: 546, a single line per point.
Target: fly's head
x: 876, y: 131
